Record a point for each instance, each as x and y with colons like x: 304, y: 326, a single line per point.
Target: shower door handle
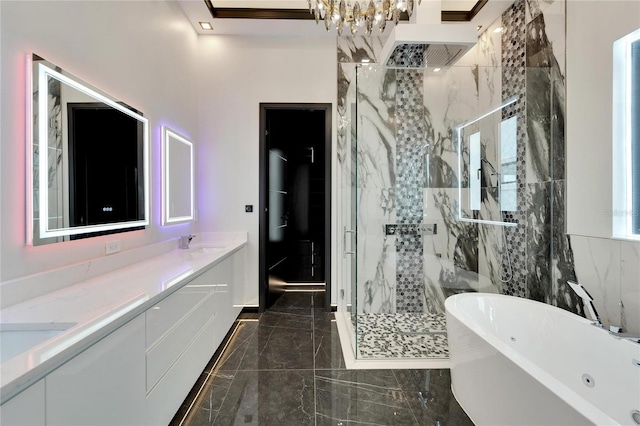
x: 344, y: 241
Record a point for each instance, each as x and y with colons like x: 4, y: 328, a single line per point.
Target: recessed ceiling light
x: 436, y: 70
x: 366, y: 61
x: 206, y: 26
x: 498, y: 30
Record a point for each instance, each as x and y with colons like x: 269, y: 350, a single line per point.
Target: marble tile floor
x: 285, y: 367
x: 401, y: 336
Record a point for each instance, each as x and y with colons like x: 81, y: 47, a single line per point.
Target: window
x: 626, y: 137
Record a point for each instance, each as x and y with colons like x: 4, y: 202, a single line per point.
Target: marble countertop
x: 96, y: 307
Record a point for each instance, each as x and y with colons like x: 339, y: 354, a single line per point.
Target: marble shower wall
x: 372, y: 177
x: 533, y: 259
x: 407, y: 173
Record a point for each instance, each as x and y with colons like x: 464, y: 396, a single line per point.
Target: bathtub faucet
x: 629, y: 336
x: 587, y: 301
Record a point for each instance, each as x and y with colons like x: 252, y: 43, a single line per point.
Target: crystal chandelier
x: 356, y: 14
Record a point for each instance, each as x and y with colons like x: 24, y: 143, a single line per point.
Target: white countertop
x: 100, y: 305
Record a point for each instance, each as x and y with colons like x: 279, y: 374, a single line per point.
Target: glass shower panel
x: 436, y: 213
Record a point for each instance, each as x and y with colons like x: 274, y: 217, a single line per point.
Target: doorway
x: 295, y: 200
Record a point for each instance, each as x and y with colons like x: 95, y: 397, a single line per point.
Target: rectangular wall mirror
x: 89, y: 166
x: 177, y: 178
x: 487, y: 152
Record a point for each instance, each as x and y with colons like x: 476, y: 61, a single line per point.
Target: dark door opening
x: 295, y: 202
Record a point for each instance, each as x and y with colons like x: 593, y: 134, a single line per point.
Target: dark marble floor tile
x: 361, y: 397
x: 232, y: 356
x: 293, y: 300
x: 323, y: 321
x: 206, y: 407
x: 430, y: 398
x: 318, y: 299
x: 299, y: 319
x: 328, y: 351
x: 269, y: 398
x: 273, y: 348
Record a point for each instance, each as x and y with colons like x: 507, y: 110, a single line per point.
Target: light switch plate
x: 112, y: 247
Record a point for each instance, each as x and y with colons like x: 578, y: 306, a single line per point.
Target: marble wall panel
x: 538, y: 242
x: 490, y: 67
x: 357, y: 49
x: 630, y: 286
x: 452, y: 263
x: 376, y: 252
x: 449, y: 100
x: 554, y: 16
x: 609, y: 270
x: 455, y: 240
x: 597, y: 263
x: 376, y: 127
x: 492, y: 257
x: 562, y: 261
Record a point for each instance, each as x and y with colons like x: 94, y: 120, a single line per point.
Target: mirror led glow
x: 177, y: 178
x: 475, y: 164
x: 44, y: 73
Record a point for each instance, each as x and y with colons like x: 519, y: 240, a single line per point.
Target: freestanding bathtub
x: 519, y: 362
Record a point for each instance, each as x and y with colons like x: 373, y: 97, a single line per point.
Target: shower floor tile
x: 402, y: 336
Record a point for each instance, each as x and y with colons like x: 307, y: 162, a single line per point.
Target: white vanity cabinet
x: 104, y: 385
x: 26, y: 409
x: 178, y: 349
x: 140, y: 373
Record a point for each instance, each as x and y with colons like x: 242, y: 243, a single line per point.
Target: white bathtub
x: 519, y: 362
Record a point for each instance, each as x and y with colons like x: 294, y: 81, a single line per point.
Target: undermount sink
x: 206, y: 250
x: 16, y: 338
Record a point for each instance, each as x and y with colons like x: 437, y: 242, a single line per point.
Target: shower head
x: 418, y: 46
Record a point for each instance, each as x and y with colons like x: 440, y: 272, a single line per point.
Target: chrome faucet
x: 184, y: 241
x: 587, y: 301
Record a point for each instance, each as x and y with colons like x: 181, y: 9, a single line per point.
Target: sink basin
x: 206, y: 250
x: 16, y: 338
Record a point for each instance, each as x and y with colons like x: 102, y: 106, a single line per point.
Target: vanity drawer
x: 170, y: 347
x: 169, y: 312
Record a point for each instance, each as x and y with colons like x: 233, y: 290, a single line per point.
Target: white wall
x: 237, y: 73
x: 592, y: 27
x: 608, y: 268
x: 142, y: 52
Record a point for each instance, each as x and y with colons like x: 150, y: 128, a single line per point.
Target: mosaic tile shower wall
x: 410, y: 155
x: 514, y: 84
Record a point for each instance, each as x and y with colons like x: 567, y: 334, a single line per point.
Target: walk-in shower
x: 447, y: 185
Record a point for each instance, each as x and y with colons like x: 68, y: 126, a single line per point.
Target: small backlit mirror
x: 177, y: 179
x: 487, y: 153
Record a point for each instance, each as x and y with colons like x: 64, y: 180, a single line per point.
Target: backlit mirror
x: 90, y: 162
x: 177, y: 180
x: 487, y: 152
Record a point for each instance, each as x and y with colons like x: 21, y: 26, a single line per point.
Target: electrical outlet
x: 112, y: 247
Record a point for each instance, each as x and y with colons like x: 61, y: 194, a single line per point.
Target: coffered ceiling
x: 292, y: 17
